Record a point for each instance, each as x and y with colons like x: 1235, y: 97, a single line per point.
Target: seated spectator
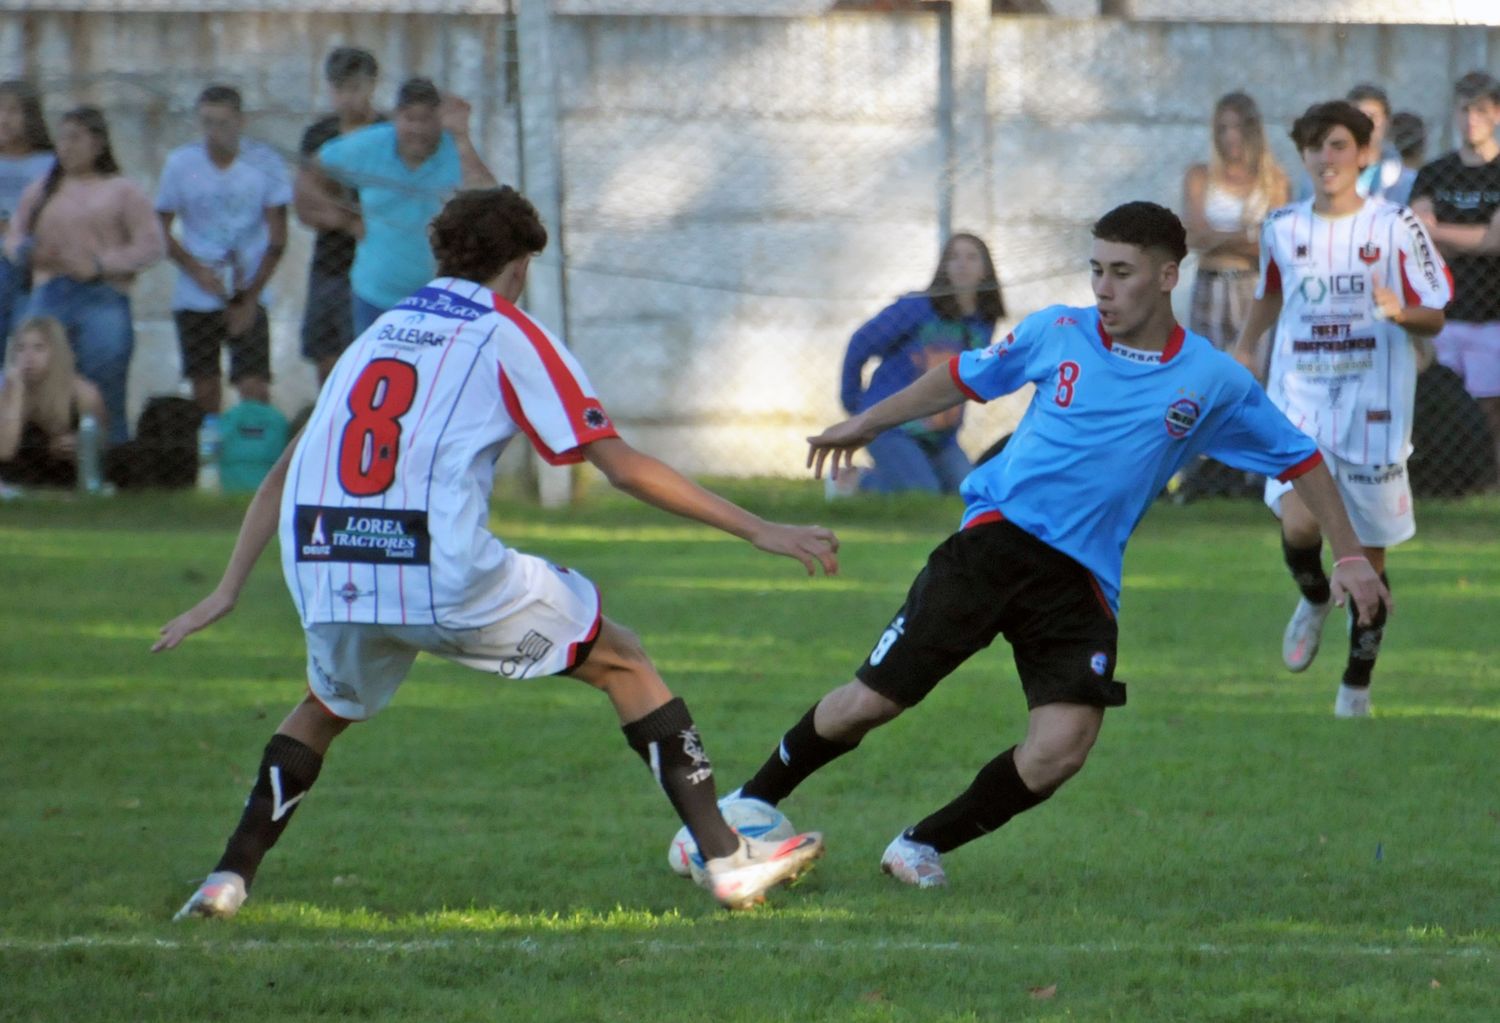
x: 1409, y: 136
x: 956, y: 312
x: 42, y: 400
x: 88, y: 231
x: 404, y: 171
x: 25, y: 156
x: 228, y: 195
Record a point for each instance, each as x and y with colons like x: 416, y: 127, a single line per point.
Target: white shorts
x: 354, y: 669
x: 1377, y: 497
x: 1472, y: 350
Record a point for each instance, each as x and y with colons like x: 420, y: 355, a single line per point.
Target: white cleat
x: 1352, y: 702
x: 219, y: 897
x: 1299, y: 644
x: 913, y: 863
x: 741, y: 879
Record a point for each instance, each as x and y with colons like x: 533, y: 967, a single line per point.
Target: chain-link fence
x: 735, y: 190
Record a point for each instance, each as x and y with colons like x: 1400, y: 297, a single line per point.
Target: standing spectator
x: 88, y: 231
x: 1409, y: 136
x: 230, y: 196
x: 957, y: 312
x: 1458, y: 196
x: 25, y: 156
x: 42, y: 400
x: 1225, y: 200
x: 404, y: 171
x: 332, y: 210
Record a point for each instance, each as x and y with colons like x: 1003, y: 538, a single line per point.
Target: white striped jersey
x: 1343, y: 376
x: 384, y: 518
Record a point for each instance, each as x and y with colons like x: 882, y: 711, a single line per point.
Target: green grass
x: 493, y: 851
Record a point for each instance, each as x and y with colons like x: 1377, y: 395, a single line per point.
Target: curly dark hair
x: 480, y: 230
x: 1146, y: 226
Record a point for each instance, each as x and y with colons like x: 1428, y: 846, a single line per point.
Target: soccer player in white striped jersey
x: 383, y: 508
x: 1351, y: 284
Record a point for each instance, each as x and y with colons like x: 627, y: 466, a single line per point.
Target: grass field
x: 487, y: 851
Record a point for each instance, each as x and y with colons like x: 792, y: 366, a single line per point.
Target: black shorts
x: 997, y: 579
x: 201, y: 335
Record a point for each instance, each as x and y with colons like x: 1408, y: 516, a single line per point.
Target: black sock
x: 668, y: 742
x: 802, y: 751
x: 1364, y: 644
x: 1306, y: 564
x: 288, y: 769
x: 995, y: 796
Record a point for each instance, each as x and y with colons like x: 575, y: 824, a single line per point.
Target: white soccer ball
x: 752, y: 818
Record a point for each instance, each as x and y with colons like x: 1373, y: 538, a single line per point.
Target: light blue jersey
x: 1108, y: 426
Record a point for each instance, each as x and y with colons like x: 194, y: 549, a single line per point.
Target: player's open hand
x: 811, y: 545
x: 841, y: 441
x: 1356, y: 579
x: 203, y: 614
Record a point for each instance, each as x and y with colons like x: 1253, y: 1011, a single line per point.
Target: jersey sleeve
x: 983, y: 374
x: 1257, y: 437
x: 1270, y: 270
x: 546, y: 392
x: 1425, y: 278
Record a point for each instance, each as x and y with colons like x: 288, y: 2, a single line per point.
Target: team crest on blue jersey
x: 1369, y: 253
x: 1099, y: 663
x: 999, y: 347
x: 1182, y: 416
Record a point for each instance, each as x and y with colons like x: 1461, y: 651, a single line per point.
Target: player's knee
x: 854, y: 709
x: 1048, y: 761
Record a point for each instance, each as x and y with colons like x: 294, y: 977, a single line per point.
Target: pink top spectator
x: 105, y: 218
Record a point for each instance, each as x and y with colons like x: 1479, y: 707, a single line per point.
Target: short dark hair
x: 222, y: 95
x: 480, y: 230
x: 1366, y: 90
x: 1407, y: 133
x: 1477, y: 85
x: 418, y: 90
x: 346, y: 62
x: 1309, y: 130
x: 1144, y: 225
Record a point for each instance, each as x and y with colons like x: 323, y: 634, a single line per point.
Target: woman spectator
x: 957, y: 311
x: 1225, y: 200
x: 42, y: 401
x: 88, y: 231
x: 25, y: 156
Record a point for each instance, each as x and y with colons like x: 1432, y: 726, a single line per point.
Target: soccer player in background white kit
x: 1350, y: 283
x: 383, y: 509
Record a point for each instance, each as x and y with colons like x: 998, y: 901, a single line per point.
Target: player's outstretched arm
x: 256, y: 530
x: 931, y: 393
x: 656, y: 483
x: 1352, y: 573
x: 1263, y: 315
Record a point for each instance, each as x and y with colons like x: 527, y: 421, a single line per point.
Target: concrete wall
x: 740, y: 193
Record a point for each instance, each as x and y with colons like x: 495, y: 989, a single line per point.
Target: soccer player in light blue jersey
x: 1124, y: 397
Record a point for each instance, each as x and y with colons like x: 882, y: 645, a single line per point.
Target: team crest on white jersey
x: 1369, y: 253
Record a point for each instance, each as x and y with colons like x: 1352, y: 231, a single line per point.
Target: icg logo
x: 1343, y: 286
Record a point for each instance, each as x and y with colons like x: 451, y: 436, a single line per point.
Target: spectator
x: 404, y: 171
x: 1385, y: 171
x: 229, y: 195
x: 25, y: 156
x: 88, y: 231
x: 1225, y: 200
x: 1458, y: 196
x: 42, y: 399
x: 332, y: 210
x: 956, y: 313
x: 1409, y: 136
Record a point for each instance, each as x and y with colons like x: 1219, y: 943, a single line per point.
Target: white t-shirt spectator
x: 221, y: 213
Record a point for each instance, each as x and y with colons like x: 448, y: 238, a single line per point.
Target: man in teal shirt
x: 404, y: 170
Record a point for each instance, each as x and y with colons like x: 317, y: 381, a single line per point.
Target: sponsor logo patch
x: 367, y: 536
x: 443, y: 303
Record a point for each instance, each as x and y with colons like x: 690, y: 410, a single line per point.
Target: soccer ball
x: 750, y: 817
